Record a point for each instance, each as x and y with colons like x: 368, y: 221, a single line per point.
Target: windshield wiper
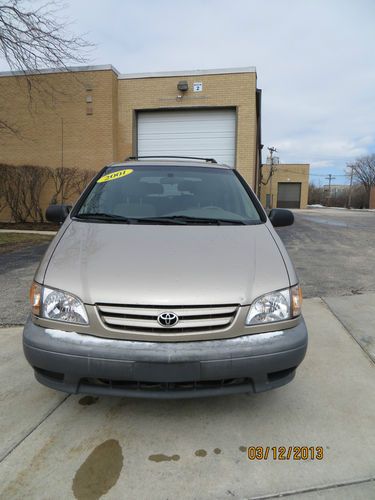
x: 104, y: 216
x: 172, y: 219
x: 186, y: 219
x: 127, y: 220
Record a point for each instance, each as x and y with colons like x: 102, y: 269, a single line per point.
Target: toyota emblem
x: 167, y: 319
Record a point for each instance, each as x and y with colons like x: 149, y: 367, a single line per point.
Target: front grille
x: 143, y: 319
x: 135, y: 385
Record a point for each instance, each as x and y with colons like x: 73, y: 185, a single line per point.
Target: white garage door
x: 207, y: 133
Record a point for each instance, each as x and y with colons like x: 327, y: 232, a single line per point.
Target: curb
x: 26, y: 231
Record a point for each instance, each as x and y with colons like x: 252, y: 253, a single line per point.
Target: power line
x: 281, y: 169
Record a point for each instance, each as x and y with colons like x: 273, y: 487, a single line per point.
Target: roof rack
x: 208, y: 160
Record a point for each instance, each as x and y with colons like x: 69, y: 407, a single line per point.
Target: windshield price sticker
x: 115, y: 175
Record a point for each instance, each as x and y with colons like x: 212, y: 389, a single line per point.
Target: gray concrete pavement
x: 332, y: 250
x: 360, y: 491
x: 357, y: 314
x: 124, y: 448
x: 23, y: 404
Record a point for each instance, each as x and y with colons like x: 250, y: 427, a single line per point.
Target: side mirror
x: 280, y: 217
x: 58, y: 213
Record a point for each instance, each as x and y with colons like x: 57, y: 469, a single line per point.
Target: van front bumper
x: 81, y: 363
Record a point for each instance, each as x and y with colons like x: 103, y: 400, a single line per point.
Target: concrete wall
x: 285, y: 172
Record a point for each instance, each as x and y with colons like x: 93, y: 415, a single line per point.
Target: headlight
x: 276, y: 306
x: 55, y: 304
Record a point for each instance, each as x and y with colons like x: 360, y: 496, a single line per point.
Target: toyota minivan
x: 166, y: 280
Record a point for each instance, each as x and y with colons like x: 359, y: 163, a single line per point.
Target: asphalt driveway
x: 332, y: 250
x: 17, y: 269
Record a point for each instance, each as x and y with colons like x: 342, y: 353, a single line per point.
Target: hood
x: 166, y: 264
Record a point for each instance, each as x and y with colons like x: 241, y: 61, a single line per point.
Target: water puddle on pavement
x: 160, y: 457
x: 99, y: 472
x: 200, y: 453
x: 87, y: 400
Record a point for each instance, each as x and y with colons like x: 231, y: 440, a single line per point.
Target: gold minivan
x: 166, y: 280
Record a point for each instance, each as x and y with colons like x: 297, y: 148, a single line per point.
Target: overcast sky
x: 315, y: 61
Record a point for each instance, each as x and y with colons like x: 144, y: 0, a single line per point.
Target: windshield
x: 169, y: 194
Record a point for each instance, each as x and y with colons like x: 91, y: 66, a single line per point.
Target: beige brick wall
x: 88, y: 139
x: 228, y: 90
x: 286, y: 172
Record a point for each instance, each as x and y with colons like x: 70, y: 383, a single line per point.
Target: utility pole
x: 271, y: 150
x: 62, y: 142
x: 62, y: 159
x: 330, y: 177
x: 349, y: 202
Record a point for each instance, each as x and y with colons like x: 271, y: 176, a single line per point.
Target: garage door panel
x: 289, y: 195
x: 208, y: 133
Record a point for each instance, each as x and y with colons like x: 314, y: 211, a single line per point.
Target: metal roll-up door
x: 289, y: 195
x: 209, y: 133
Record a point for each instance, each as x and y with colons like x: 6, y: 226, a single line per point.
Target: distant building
x: 288, y: 187
x: 336, y: 189
x: 372, y: 198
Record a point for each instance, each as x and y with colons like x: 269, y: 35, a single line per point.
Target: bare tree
x: 11, y: 182
x: 360, y: 197
x: 35, y: 178
x: 3, y: 201
x: 363, y: 169
x: 82, y: 179
x: 69, y: 182
x: 315, y: 194
x: 22, y: 188
x: 31, y: 39
x: 63, y: 179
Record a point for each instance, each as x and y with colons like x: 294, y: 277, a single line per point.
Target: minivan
x: 166, y: 280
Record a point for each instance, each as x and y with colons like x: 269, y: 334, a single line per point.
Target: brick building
x: 288, y: 187
x: 372, y: 198
x: 92, y: 116
x: 95, y: 116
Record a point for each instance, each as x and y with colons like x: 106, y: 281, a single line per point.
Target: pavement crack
x: 48, y: 414
x: 312, y: 489
x: 347, y: 330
